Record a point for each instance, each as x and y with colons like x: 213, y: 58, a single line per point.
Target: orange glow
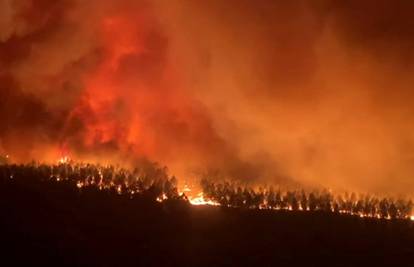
x: 197, y: 87
x: 200, y: 200
x: 63, y: 160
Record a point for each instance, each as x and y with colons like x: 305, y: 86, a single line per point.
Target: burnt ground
x: 54, y: 224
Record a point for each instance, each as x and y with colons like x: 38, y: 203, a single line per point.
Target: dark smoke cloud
x: 315, y: 91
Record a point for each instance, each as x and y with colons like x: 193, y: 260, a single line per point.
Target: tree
x: 312, y: 202
x: 383, y: 208
x: 303, y: 200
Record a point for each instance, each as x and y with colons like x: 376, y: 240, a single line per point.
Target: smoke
x: 317, y: 92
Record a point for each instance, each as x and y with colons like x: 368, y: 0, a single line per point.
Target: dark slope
x: 54, y: 224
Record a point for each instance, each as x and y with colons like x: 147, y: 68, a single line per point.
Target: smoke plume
x: 314, y: 92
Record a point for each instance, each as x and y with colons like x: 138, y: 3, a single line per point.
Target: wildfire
x: 79, y: 184
x: 63, y: 160
x: 162, y: 198
x: 124, y: 182
x: 200, y: 200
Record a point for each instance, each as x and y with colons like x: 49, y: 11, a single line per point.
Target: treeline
x: 232, y: 194
x: 153, y: 182
x: 148, y: 180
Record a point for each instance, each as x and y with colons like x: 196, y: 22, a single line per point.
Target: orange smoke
x: 312, y: 93
x: 133, y: 104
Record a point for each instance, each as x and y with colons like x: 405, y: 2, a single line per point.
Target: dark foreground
x: 54, y: 224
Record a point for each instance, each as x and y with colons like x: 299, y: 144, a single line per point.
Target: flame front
x: 154, y: 183
x: 200, y: 200
x: 63, y: 160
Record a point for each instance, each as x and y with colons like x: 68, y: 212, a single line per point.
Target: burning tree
x: 232, y: 194
x: 150, y: 181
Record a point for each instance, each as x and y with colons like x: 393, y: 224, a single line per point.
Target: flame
x: 197, y: 200
x: 200, y: 200
x: 79, y: 184
x: 64, y: 160
x: 162, y: 198
x: 186, y: 189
